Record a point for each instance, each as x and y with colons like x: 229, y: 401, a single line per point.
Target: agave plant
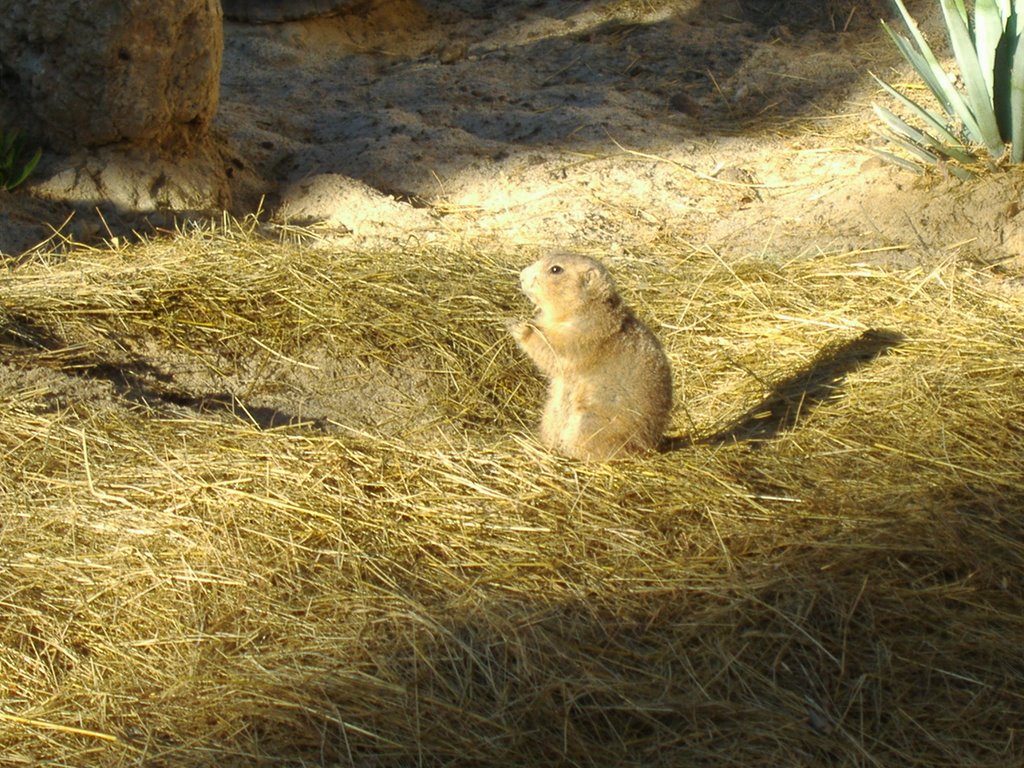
x: 983, y: 116
x: 13, y: 169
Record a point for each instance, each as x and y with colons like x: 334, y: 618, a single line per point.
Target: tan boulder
x: 121, y: 95
x: 86, y: 74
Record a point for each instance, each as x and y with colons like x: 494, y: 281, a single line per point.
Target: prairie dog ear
x: 596, y: 283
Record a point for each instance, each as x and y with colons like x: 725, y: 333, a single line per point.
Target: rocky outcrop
x: 273, y: 11
x: 120, y: 75
x: 92, y: 73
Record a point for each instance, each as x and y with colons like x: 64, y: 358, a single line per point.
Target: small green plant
x: 983, y: 116
x: 13, y: 169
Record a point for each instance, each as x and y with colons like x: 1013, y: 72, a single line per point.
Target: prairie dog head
x: 563, y: 285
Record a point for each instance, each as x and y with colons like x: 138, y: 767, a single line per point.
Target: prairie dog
x: 610, y: 384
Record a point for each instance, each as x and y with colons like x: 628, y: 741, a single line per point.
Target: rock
x: 273, y: 11
x: 133, y: 179
x: 121, y: 94
x: 87, y: 74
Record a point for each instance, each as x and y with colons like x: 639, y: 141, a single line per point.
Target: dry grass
x: 828, y: 569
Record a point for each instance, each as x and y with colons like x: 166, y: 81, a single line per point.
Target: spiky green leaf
x: 1016, y: 85
x: 902, y: 128
x: 961, y: 9
x: 928, y: 158
x: 26, y: 170
x: 989, y: 26
x: 937, y: 84
x: 895, y: 159
x: 961, y: 173
x: 931, y: 120
x: 935, y: 77
x: 978, y: 94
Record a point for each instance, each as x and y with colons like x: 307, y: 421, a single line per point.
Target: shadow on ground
x: 824, y: 655
x: 797, y: 396
x: 24, y: 344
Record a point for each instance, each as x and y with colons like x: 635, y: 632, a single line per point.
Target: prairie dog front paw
x: 521, y: 330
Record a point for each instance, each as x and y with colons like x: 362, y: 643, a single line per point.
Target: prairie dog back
x: 610, y: 384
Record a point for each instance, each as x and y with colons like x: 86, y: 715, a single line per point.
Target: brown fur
x: 610, y: 383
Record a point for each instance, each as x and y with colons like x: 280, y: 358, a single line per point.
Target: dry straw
x: 825, y: 569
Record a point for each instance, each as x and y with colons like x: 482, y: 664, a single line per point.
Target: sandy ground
x: 597, y: 125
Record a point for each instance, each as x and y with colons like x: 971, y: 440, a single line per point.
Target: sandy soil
x: 606, y: 125
x: 599, y: 125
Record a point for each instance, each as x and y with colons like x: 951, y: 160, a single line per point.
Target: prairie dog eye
x: 555, y: 270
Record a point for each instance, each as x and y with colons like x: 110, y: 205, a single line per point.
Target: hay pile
x: 207, y: 560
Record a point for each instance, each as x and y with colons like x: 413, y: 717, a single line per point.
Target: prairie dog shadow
x: 799, y: 394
